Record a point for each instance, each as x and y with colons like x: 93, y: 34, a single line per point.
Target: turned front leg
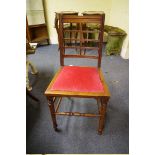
x: 33, y: 68
x: 28, y: 86
x: 52, y: 111
x: 102, y: 112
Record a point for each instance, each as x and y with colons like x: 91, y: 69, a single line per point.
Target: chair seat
x: 78, y: 79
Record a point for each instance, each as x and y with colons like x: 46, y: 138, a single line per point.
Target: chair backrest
x: 81, y: 39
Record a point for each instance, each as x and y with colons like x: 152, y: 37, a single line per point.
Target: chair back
x: 81, y: 39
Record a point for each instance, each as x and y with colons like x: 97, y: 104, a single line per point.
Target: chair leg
x: 33, y: 68
x: 29, y: 88
x: 52, y: 110
x: 102, y: 111
x: 32, y: 96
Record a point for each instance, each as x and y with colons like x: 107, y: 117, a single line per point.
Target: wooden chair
x: 79, y: 81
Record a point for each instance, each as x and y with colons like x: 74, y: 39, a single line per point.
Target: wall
x: 34, y: 11
x: 119, y: 16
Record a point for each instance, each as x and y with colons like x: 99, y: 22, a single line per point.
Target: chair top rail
x: 80, y: 33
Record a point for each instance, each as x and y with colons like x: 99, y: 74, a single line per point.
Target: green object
x: 92, y: 26
x: 115, y: 40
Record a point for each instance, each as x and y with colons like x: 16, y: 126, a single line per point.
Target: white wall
x: 119, y: 17
x: 34, y: 11
x: 34, y: 5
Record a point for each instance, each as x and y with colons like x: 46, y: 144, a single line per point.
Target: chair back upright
x: 82, y: 42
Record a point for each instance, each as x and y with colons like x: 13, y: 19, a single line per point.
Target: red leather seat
x: 78, y: 79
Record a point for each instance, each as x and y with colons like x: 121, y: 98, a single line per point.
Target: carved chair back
x: 82, y: 42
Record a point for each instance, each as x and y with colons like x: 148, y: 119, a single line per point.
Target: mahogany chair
x: 79, y: 81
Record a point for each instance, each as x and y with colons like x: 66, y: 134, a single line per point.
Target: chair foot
x: 100, y: 132
x: 56, y: 129
x: 32, y: 96
x: 29, y: 88
x: 34, y: 73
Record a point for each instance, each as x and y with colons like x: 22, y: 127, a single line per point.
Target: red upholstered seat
x: 78, y: 79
